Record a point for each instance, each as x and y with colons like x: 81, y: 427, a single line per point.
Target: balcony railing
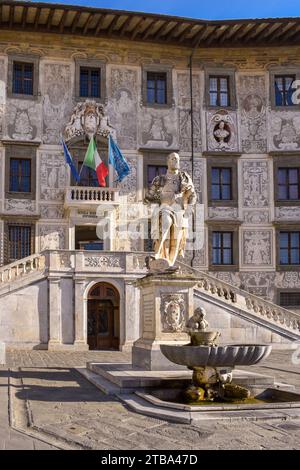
x: 80, y: 195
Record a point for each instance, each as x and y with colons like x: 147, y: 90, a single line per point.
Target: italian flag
x: 92, y: 160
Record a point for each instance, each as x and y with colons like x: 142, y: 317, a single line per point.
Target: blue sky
x: 213, y: 9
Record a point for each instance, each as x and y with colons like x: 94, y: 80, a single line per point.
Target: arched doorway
x: 103, y: 317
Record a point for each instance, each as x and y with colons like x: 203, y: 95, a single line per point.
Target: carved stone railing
x: 281, y: 320
x: 21, y: 268
x: 80, y: 195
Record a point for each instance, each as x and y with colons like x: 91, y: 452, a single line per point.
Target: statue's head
x: 173, y: 161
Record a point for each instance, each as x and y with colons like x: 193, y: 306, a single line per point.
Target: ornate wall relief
x: 288, y: 280
x: 158, y: 128
x: 53, y: 172
x: 2, y: 94
x: 255, y: 189
x: 173, y: 312
x: 184, y: 108
x: 123, y: 105
x: 223, y: 212
x: 51, y: 211
x: 105, y: 262
x: 52, y: 237
x: 257, y: 247
x: 57, y: 100
x: 256, y: 217
x: 260, y: 284
x: 252, y: 103
x: 221, y: 131
x: 129, y: 184
x: 284, y: 130
x: 23, y: 120
x: 229, y: 277
x: 287, y: 213
x: 199, y: 170
x: 20, y: 206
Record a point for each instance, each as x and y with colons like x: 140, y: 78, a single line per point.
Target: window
x: 156, y: 88
x: 20, y: 241
x: 222, y: 248
x: 90, y: 82
x: 284, y: 89
x: 90, y: 79
x: 289, y: 247
x: 155, y: 170
x: 219, y: 93
x: 20, y: 175
x: 221, y: 184
x: 88, y: 177
x: 289, y: 299
x: 288, y: 183
x: 22, y: 78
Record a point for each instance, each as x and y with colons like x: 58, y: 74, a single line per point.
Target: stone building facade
x: 257, y: 137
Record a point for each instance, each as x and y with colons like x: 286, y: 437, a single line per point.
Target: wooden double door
x: 103, y: 317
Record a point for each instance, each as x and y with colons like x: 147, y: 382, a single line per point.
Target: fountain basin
x: 216, y: 356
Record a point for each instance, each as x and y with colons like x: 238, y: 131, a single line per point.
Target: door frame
x: 115, y: 306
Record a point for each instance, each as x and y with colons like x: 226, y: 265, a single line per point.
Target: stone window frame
x: 150, y: 159
x: 224, y: 226
x: 95, y: 64
x: 289, y: 70
x: 222, y: 162
x: 29, y: 59
x: 20, y: 221
x: 163, y: 68
x: 285, y: 227
x: 287, y: 291
x: 23, y: 152
x: 285, y: 162
x: 221, y: 71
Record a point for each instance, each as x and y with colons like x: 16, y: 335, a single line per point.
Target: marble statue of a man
x: 175, y: 195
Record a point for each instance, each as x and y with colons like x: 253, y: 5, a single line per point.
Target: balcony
x: 81, y: 196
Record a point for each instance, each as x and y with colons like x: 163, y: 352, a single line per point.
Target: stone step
x: 106, y: 386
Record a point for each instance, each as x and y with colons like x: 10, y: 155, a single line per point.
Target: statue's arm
x: 152, y: 194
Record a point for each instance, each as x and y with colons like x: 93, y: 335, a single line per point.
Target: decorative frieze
x: 105, y: 262
x: 51, y: 211
x: 52, y: 237
x: 123, y: 105
x: 53, y: 172
x: 284, y: 130
x: 252, y: 103
x: 57, y: 100
x: 255, y: 188
x: 158, y: 128
x: 287, y: 213
x: 184, y: 111
x: 23, y: 120
x: 20, y: 206
x: 256, y: 216
x: 223, y: 212
x: 259, y: 283
x: 257, y: 247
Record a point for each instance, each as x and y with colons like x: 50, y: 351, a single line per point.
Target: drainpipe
x: 192, y: 137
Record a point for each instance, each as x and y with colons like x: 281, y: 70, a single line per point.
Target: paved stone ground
x: 64, y: 404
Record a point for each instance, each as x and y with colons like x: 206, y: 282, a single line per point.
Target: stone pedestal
x: 166, y: 303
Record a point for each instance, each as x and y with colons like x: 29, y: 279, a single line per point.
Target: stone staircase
x: 22, y: 271
x: 245, y: 305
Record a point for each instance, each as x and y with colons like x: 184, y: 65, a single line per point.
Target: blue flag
x: 117, y: 160
x: 69, y: 161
